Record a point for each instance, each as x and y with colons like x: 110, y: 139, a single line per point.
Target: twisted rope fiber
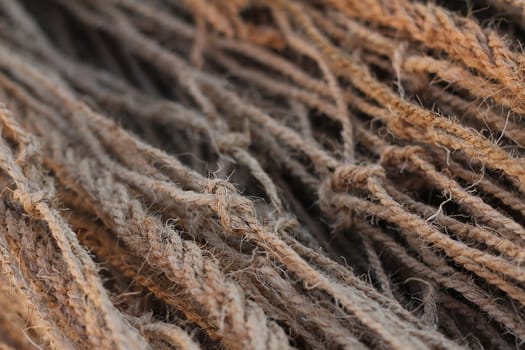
x: 261, y: 175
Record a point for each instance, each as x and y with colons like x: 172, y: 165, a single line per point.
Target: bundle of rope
x: 253, y: 174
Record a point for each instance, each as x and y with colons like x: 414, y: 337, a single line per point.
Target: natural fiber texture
x: 325, y: 174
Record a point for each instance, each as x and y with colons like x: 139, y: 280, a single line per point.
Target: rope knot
x: 234, y: 212
x: 29, y: 200
x: 395, y: 154
x: 219, y: 187
x: 355, y: 175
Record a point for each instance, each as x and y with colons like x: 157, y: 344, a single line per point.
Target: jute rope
x: 261, y: 175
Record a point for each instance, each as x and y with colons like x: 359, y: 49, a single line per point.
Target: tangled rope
x: 261, y: 175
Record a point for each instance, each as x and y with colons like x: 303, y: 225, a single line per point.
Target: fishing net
x: 243, y: 174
